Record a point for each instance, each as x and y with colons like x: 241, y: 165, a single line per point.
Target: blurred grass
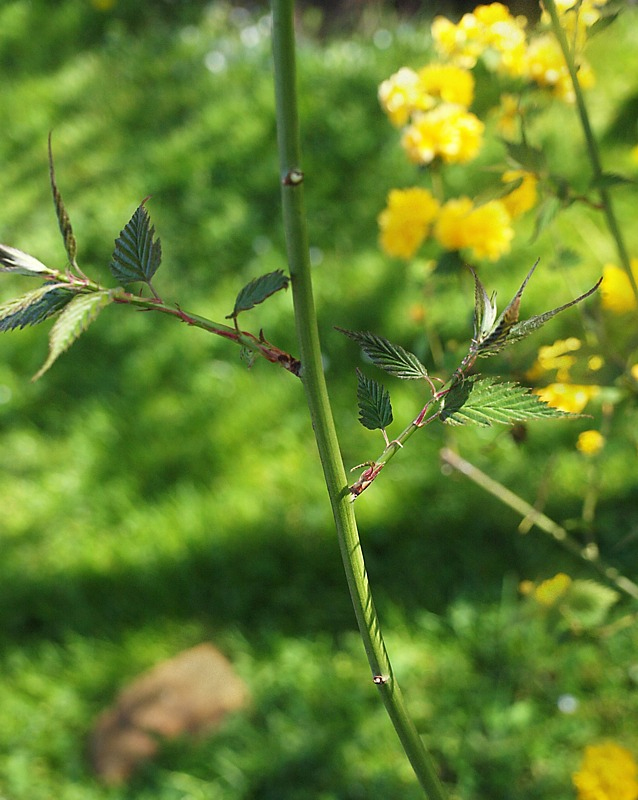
x: 155, y: 493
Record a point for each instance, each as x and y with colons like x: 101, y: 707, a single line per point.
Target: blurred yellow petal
x: 406, y: 220
x: 569, y: 397
x: 608, y: 772
x: 616, y: 290
x: 590, y: 442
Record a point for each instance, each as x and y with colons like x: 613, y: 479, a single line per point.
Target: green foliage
x: 484, y: 401
x: 137, y: 253
x: 392, y: 358
x: 64, y: 222
x: 375, y: 408
x: 259, y: 290
x: 76, y: 317
x: 34, y: 307
x: 14, y: 260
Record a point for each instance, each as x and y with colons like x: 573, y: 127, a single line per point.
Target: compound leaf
x: 137, y: 254
x: 14, y: 260
x: 33, y: 307
x: 80, y: 312
x: 485, y: 401
x: 375, y: 408
x: 259, y: 290
x: 387, y: 356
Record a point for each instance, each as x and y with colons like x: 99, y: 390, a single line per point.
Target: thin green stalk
x: 319, y: 405
x: 592, y: 144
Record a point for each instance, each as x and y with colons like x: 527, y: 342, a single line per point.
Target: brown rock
x: 188, y: 694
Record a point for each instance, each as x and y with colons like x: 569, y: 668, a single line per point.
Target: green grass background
x: 155, y: 493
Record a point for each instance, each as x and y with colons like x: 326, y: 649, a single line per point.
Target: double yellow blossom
x: 447, y: 131
x: 570, y: 397
x: 488, y: 27
x: 608, y: 772
x: 406, y: 220
x: 486, y: 229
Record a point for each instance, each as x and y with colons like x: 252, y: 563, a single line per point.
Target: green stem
x: 319, y: 404
x: 592, y: 145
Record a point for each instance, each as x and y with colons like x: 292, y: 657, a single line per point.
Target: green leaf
x: 259, y: 290
x: 484, y: 309
x: 375, y: 408
x: 485, y: 401
x: 530, y: 158
x: 14, y: 260
x: 587, y: 603
x: 387, y: 356
x: 493, y: 338
x: 33, y: 307
x: 609, y: 179
x: 73, y: 321
x: 497, y: 191
x: 137, y: 254
x: 545, y: 215
x: 70, y: 244
x: 527, y: 326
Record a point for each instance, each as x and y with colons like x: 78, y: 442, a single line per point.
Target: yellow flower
x: 545, y: 64
x: 406, y: 220
x: 590, y: 442
x: 489, y: 27
x: 634, y: 372
x: 401, y: 95
x: 608, y: 772
x: 448, y: 131
x: 449, y: 83
x: 524, y: 197
x: 616, y: 290
x: 570, y: 397
x: 508, y: 115
x: 583, y: 12
x: 555, y: 357
x: 485, y: 229
x: 633, y: 154
x: 550, y: 591
x: 457, y: 42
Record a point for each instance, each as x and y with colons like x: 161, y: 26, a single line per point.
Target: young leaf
x: 484, y: 309
x: 375, y: 408
x: 387, y: 356
x: 485, y: 401
x: 259, y: 290
x: 70, y: 245
x: 33, y: 307
x: 74, y: 320
x: 530, y: 158
x: 14, y: 260
x: 527, y: 326
x: 493, y: 338
x: 137, y: 254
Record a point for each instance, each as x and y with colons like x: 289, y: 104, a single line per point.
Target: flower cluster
x: 563, y: 394
x: 608, y: 772
x: 432, y: 104
x: 492, y: 34
x: 411, y: 215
